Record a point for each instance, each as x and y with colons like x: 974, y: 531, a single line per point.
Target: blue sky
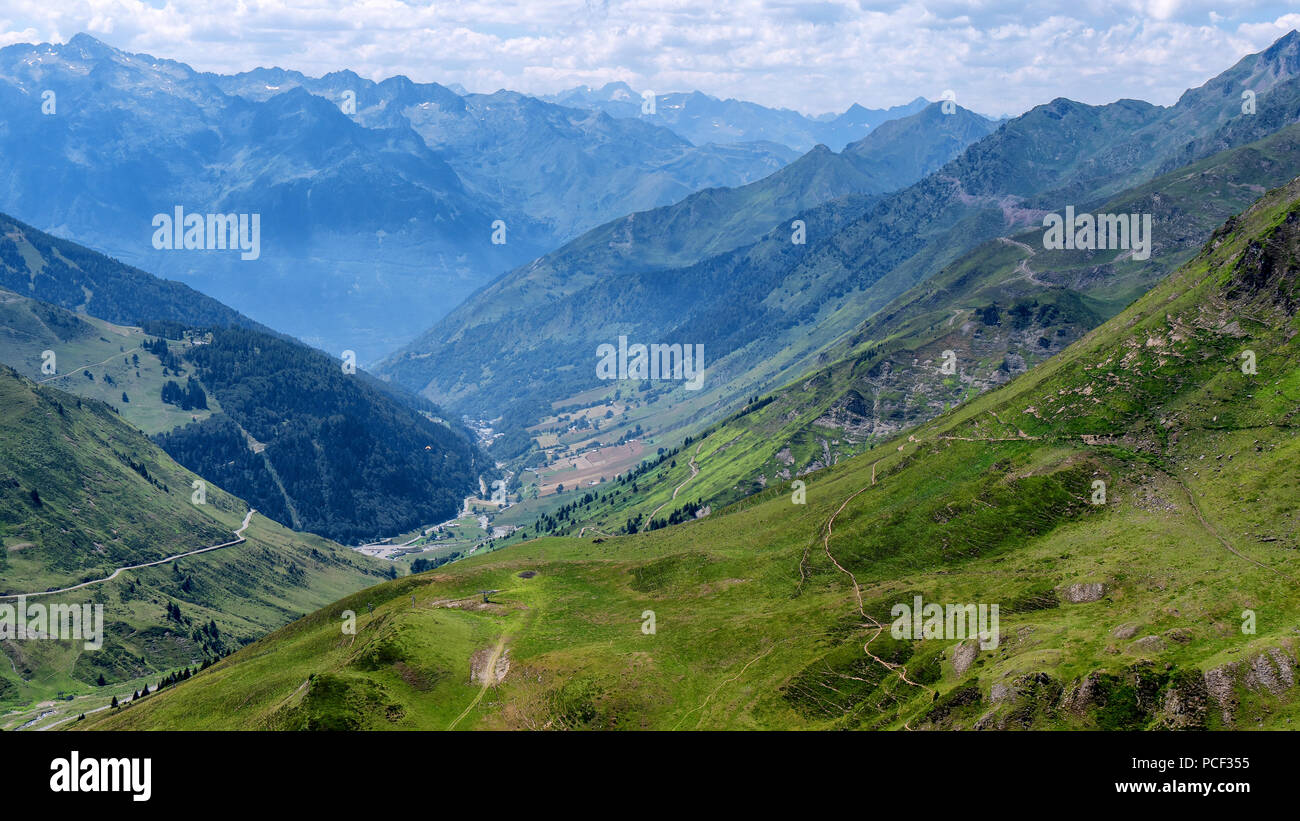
x: 998, y: 57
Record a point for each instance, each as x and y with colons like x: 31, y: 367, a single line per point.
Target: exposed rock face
x: 1020, y: 703
x: 999, y: 693
x: 813, y: 466
x: 1271, y: 672
x: 1286, y: 668
x: 1085, y: 592
x: 1261, y: 674
x: 1144, y: 695
x: 1147, y: 644
x: 853, y: 414
x: 963, y: 656
x: 1126, y: 631
x: 1082, y: 694
x: 1218, y: 682
x: 1185, y: 705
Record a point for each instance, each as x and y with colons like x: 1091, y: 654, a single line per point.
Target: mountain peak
x: 81, y: 38
x: 1258, y: 72
x: 89, y: 46
x: 348, y: 75
x: 1283, y: 57
x: 1289, y: 41
x: 618, y: 90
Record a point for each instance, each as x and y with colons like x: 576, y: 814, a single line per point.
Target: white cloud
x: 999, y: 57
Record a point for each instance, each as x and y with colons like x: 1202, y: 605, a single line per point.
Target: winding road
x: 91, y: 365
x: 239, y: 539
x: 1023, y: 266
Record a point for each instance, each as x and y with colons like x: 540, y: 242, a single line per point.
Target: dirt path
x: 695, y: 471
x: 1023, y: 267
x: 710, y: 696
x: 489, y: 677
x: 897, y: 669
x: 803, y: 563
x: 239, y: 539
x: 1196, y: 509
x: 593, y: 530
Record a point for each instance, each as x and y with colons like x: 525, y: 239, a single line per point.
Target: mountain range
x: 900, y: 391
x: 373, y: 222
x: 673, y: 266
x: 767, y: 311
x: 704, y: 119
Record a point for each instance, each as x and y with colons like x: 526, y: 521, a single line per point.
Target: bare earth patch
x: 481, y: 659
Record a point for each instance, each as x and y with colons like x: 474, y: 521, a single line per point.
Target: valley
x: 995, y: 314
x: 588, y: 410
x: 1116, y: 615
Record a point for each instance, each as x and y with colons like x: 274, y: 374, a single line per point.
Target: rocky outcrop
x: 1085, y: 592
x: 1269, y: 673
x: 963, y: 656
x: 1147, y: 644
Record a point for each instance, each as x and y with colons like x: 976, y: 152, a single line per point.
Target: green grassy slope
x: 84, y: 344
x: 1171, y: 603
x: 82, y: 493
